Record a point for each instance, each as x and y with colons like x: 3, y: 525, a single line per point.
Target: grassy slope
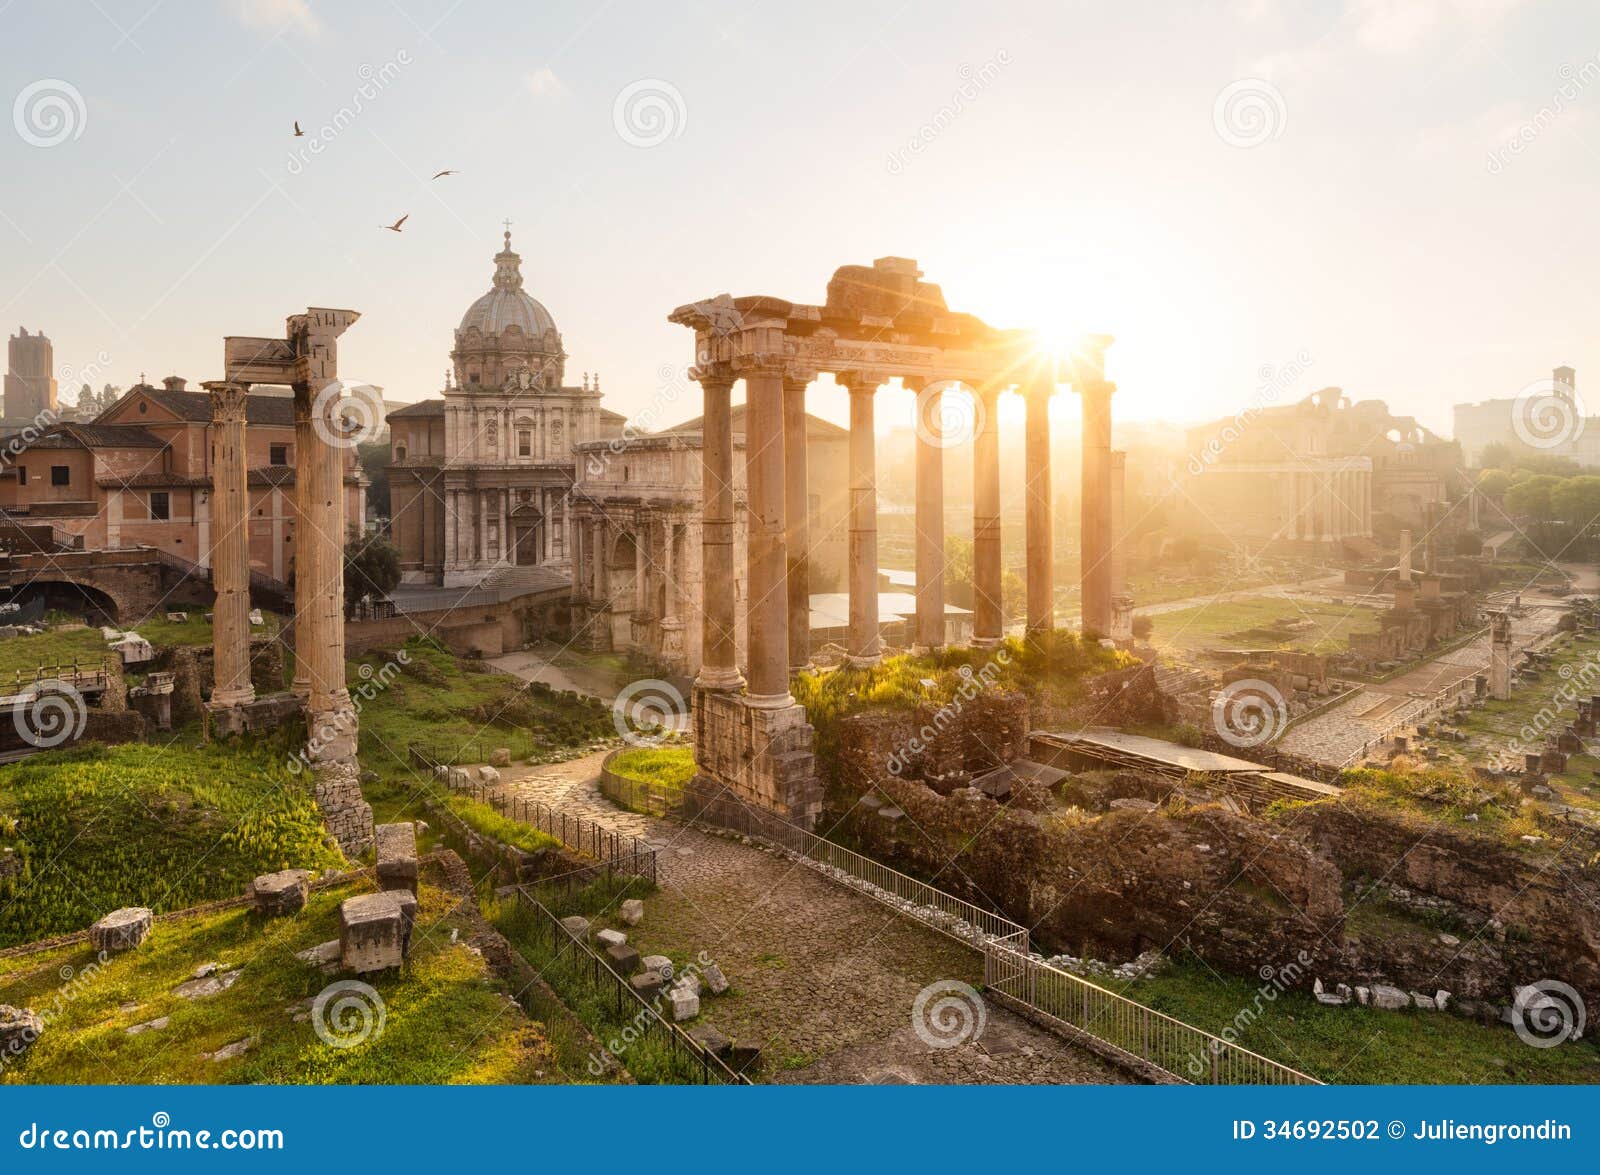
x: 1361, y: 1045
x: 668, y: 768
x: 1225, y: 625
x: 160, y: 826
x: 27, y: 653
x: 447, y: 1020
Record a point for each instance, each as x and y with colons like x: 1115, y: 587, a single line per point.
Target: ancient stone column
x: 320, y: 562
x: 767, y: 556
x: 230, y: 551
x: 1037, y: 503
x: 304, y: 438
x: 797, y: 506
x: 987, y: 619
x: 1096, y: 392
x: 719, y: 669
x: 1119, y: 558
x: 931, y: 441
x: 863, y: 642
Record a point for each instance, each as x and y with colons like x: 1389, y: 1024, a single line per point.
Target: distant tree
x: 1495, y: 482
x: 109, y: 395
x: 958, y: 570
x: 371, y: 569
x: 87, y: 402
x: 374, y: 458
x: 1576, y: 501
x: 1014, y: 595
x: 1531, y: 497
x: 1143, y: 626
x: 1495, y: 456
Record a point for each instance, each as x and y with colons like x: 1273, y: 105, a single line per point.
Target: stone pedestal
x: 759, y: 756
x: 121, y: 930
x: 396, y: 856
x: 282, y: 893
x: 375, y: 930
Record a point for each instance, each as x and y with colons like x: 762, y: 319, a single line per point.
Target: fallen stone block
x: 229, y: 1051
x: 647, y: 985
x: 121, y: 930
x: 155, y: 1025
x: 610, y: 938
x: 487, y: 774
x: 206, y: 985
x: 716, y: 982
x: 577, y: 926
x: 685, y: 1004
x: 324, y: 954
x: 500, y: 757
x: 397, y: 856
x: 689, y: 981
x: 1391, y: 998
x: 659, y: 964
x: 19, y: 1028
x: 711, y: 1040
x: 623, y: 959
x: 375, y: 930
x: 632, y: 911
x: 282, y: 893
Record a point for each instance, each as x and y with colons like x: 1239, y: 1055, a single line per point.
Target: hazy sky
x: 1371, y: 225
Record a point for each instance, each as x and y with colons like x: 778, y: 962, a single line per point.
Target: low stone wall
x: 760, y: 756
x: 638, y: 796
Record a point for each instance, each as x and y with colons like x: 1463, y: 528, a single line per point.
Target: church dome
x: 507, y: 304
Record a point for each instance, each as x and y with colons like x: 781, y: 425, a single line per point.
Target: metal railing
x: 617, y: 851
x: 576, y: 963
x: 1076, y: 1006
x: 946, y: 913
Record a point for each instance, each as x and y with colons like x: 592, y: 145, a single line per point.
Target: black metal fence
x: 574, y: 962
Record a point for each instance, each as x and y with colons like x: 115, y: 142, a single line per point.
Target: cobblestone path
x: 823, y: 978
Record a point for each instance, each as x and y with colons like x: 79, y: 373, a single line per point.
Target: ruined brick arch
x: 70, y: 595
x: 125, y: 585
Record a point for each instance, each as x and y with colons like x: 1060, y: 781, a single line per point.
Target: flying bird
x: 438, y: 174
x: 298, y: 133
x: 395, y: 227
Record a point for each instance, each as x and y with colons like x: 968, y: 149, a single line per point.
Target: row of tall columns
x: 1330, y: 504
x: 230, y: 551
x: 1040, y: 542
x: 988, y: 623
x: 719, y: 667
x: 929, y: 629
x: 1097, y: 540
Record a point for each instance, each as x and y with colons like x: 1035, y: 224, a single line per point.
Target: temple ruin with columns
x: 878, y: 323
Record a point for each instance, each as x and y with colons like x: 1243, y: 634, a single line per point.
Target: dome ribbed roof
x: 507, y: 304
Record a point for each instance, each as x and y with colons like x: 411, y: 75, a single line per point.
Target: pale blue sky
x: 1083, y: 185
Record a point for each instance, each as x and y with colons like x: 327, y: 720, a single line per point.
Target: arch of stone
x: 879, y: 322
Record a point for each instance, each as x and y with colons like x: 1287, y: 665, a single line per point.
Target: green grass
x: 27, y: 653
x: 436, y: 698
x: 591, y: 996
x: 446, y: 1018
x: 667, y: 768
x: 1354, y: 1045
x: 141, y: 825
x: 483, y: 819
x: 1251, y: 624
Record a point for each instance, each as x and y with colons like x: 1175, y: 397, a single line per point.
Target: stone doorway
x: 526, y: 551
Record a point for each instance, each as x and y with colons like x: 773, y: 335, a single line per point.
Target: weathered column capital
x: 758, y: 365
x: 712, y: 376
x: 861, y: 383
x: 228, y: 399
x: 797, y: 379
